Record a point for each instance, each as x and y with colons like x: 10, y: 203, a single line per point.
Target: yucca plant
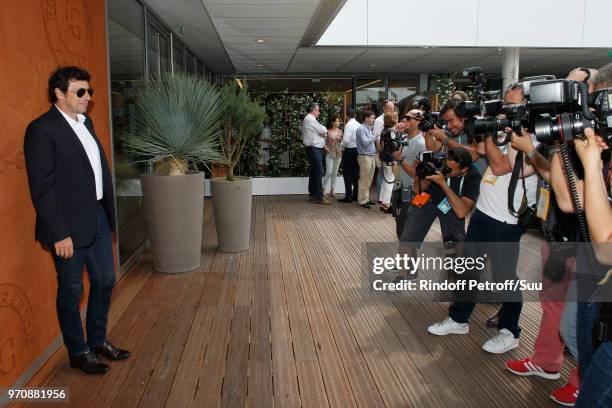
x: 177, y: 119
x: 242, y: 119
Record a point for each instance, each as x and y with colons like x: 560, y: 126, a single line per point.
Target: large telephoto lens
x: 564, y: 127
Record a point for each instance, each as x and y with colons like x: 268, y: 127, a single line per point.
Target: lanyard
x: 448, y: 180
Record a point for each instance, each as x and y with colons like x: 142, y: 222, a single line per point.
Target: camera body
x: 555, y: 110
x: 392, y: 141
x: 430, y: 163
x: 431, y: 119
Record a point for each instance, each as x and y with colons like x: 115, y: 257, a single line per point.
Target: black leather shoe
x: 89, y: 363
x: 111, y: 352
x: 493, y: 322
x: 345, y: 200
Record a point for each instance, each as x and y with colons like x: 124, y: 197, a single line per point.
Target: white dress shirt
x: 349, y: 140
x: 313, y: 133
x: 90, y: 146
x: 379, y: 125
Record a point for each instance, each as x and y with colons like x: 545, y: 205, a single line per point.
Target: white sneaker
x: 449, y: 326
x: 501, y: 343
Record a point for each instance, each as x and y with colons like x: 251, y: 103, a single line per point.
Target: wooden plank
x: 285, y: 386
x: 260, y: 388
x: 186, y: 380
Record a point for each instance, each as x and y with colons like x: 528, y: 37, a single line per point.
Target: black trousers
x: 350, y: 172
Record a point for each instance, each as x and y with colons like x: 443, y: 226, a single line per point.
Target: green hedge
x: 286, y: 112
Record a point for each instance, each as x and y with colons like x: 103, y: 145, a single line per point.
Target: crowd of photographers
x: 539, y: 154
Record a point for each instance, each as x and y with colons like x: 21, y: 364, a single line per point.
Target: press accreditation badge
x: 444, y: 206
x: 489, y: 177
x: 543, y: 203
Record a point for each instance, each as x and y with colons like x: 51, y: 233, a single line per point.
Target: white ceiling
x: 228, y: 28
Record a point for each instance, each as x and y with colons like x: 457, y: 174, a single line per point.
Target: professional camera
x: 430, y: 163
x: 392, y: 141
x: 431, y: 119
x: 561, y: 110
x: 515, y: 116
x: 478, y: 81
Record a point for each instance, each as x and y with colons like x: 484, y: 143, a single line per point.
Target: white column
x: 510, y: 69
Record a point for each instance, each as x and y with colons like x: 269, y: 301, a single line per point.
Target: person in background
x: 388, y: 107
x: 350, y: 167
x: 366, y: 150
x: 333, y: 155
x: 389, y: 121
x: 313, y: 137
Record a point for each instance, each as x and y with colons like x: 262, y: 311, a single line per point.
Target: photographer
x: 558, y: 261
x: 588, y: 270
x: 386, y: 143
x: 407, y: 174
x: 597, y: 381
x: 492, y: 222
x: 451, y: 193
x: 437, y: 139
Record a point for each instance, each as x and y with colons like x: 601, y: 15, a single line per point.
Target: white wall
x: 472, y: 23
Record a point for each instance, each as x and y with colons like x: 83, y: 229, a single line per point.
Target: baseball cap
x: 460, y: 155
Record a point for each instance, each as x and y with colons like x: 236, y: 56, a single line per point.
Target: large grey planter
x: 232, y: 208
x: 174, y: 209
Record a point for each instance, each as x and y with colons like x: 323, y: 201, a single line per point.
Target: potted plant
x: 232, y: 195
x: 177, y: 122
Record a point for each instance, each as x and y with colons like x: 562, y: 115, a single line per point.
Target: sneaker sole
x: 567, y: 404
x: 463, y: 331
x: 501, y: 352
x: 536, y: 373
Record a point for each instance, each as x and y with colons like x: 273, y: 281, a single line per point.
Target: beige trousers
x: 367, y: 165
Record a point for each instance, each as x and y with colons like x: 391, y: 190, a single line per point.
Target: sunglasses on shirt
x: 81, y: 92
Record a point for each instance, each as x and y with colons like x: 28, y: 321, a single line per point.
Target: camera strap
x: 516, y: 172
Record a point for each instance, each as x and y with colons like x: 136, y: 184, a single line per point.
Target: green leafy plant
x: 242, y: 122
x: 445, y: 86
x: 177, y: 123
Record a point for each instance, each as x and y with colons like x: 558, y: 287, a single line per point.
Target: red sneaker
x: 565, y: 395
x: 525, y: 367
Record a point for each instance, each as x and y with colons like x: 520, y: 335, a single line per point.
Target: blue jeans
x: 483, y: 229
x: 101, y: 270
x: 596, y: 384
x: 587, y: 313
x: 315, y: 181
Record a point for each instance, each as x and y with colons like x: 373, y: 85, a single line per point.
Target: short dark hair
x: 367, y: 114
x: 330, y: 121
x: 604, y: 76
x: 350, y: 112
x: 312, y: 106
x: 61, y: 77
x: 451, y: 104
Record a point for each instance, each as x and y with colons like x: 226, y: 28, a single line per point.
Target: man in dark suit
x: 72, y: 193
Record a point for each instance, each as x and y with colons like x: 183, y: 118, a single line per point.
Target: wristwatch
x: 400, y: 161
x: 531, y: 154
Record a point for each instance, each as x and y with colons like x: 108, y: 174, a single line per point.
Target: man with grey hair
x: 313, y: 137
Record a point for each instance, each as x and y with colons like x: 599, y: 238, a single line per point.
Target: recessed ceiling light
x: 259, y: 65
x: 260, y: 40
x: 372, y: 65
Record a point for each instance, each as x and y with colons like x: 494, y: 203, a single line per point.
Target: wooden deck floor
x: 291, y: 323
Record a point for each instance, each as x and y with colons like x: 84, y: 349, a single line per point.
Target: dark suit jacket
x: 62, y: 182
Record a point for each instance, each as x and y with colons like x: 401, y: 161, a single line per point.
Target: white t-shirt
x: 493, y: 198
x: 415, y: 146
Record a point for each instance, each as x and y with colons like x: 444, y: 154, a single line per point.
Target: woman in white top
x: 333, y: 154
x: 390, y: 122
